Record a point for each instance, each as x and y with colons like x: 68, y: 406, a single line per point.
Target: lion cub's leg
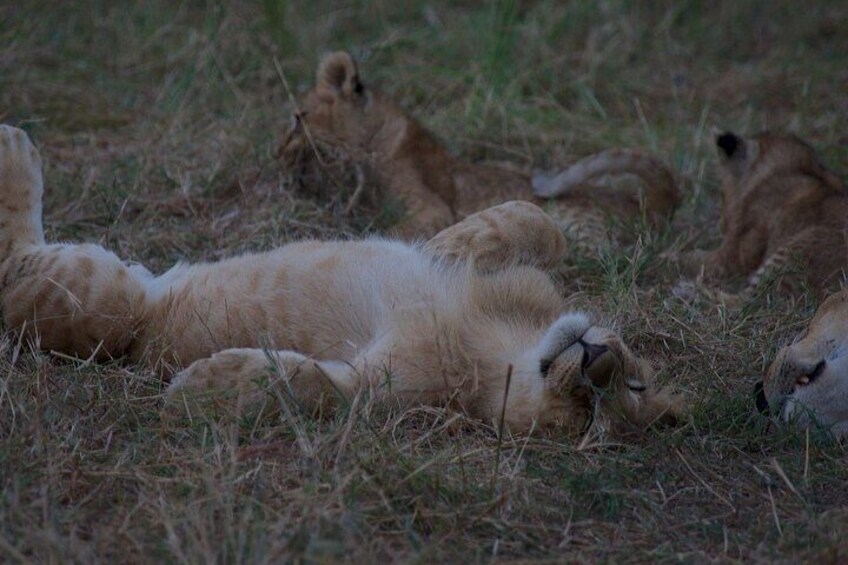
x: 426, y: 214
x: 513, y: 233
x: 21, y: 189
x: 77, y: 299
x: 246, y: 376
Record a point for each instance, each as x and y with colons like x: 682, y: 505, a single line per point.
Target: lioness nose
x: 591, y: 352
x: 760, y: 398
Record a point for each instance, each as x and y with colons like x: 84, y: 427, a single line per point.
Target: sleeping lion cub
x: 438, y: 189
x: 418, y: 324
x: 783, y: 216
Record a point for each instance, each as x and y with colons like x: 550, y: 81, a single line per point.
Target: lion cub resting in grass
x: 808, y: 381
x: 417, y: 324
x: 783, y: 216
x: 437, y: 189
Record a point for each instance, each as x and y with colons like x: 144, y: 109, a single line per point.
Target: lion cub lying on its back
x: 414, y: 323
x: 438, y: 189
x: 782, y: 214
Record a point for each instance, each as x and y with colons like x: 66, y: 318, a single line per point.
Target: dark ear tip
x: 728, y: 142
x: 760, y: 398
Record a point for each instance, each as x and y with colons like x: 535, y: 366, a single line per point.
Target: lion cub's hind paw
x: 20, y: 161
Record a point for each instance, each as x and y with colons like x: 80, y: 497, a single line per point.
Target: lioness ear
x: 338, y: 74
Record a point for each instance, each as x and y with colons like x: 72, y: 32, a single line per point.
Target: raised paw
x: 21, y: 188
x: 508, y: 234
x: 20, y: 165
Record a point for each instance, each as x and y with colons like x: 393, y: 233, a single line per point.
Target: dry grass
x: 158, y: 123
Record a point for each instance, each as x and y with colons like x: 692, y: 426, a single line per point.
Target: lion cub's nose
x: 591, y: 352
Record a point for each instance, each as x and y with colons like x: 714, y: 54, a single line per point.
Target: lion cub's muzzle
x: 597, y: 363
x: 591, y: 363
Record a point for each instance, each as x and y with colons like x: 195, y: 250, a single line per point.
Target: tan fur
x: 319, y: 320
x: 808, y: 380
x: 438, y: 189
x: 782, y: 211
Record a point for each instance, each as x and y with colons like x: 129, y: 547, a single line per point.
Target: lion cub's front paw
x: 231, y: 374
x: 20, y: 164
x: 240, y: 380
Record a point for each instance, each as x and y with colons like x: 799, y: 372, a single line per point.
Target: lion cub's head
x: 769, y: 172
x: 595, y: 380
x: 341, y: 112
x: 807, y: 383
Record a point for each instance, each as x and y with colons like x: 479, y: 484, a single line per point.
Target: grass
x: 159, y: 122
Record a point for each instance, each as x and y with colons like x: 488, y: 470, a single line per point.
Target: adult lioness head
x: 808, y: 381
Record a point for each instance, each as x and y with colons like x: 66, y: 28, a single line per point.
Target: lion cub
x: 322, y: 320
x: 782, y: 215
x: 438, y: 189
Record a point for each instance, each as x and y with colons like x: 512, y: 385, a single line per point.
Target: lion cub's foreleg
x: 248, y: 376
x: 513, y: 233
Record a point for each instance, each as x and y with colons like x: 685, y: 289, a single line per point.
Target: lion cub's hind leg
x: 21, y: 189
x: 513, y: 233
x: 247, y: 376
x: 76, y: 299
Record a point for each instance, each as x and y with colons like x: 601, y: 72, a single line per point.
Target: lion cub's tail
x: 661, y: 196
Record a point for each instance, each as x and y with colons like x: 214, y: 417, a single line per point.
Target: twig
x: 807, y: 455
x: 706, y: 486
x: 779, y: 470
x: 774, y: 513
x: 500, y: 432
x: 291, y: 98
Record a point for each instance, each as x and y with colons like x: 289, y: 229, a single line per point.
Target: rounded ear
x: 338, y: 74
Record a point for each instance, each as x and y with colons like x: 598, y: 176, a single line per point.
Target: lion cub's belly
x: 324, y: 299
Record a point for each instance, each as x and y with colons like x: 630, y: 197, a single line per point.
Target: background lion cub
x: 438, y: 189
x: 782, y: 215
x: 328, y: 319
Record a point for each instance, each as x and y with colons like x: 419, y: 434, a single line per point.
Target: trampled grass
x: 159, y: 123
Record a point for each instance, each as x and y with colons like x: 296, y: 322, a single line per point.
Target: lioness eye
x: 804, y: 380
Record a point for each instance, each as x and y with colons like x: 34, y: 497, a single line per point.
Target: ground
x: 159, y: 123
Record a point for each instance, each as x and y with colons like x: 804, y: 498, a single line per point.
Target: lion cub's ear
x: 736, y: 152
x: 338, y: 74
